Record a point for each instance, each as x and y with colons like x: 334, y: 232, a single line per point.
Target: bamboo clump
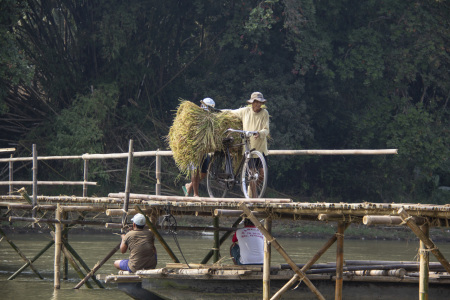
x: 196, y: 132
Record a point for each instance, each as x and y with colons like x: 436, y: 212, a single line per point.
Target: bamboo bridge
x: 61, y: 213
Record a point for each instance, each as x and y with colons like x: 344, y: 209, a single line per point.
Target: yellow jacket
x: 252, y: 121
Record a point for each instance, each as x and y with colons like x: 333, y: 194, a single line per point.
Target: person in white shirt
x: 248, y: 245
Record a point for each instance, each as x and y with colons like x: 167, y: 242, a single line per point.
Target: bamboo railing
x: 131, y: 154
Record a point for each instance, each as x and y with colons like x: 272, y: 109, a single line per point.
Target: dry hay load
x: 196, y: 132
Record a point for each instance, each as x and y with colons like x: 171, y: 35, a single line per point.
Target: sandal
x: 184, y: 188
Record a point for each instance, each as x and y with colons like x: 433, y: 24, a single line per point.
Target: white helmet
x: 208, y: 102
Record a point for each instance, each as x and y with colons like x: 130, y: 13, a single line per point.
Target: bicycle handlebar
x: 246, y: 133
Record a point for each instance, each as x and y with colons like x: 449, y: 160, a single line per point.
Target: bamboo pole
x: 7, y: 150
x: 394, y: 273
x: 207, y: 200
x: 437, y: 211
x: 31, y: 260
x: 58, y: 244
x: 88, y: 156
x: 85, y: 176
x: 47, y: 183
x: 56, y: 221
x: 41, y: 158
x: 311, y: 262
x: 124, y: 155
x: 381, y: 268
x: 119, y: 212
x: 267, y: 258
x: 424, y: 266
x: 389, y: 220
x: 333, y: 217
x: 73, y: 208
x: 224, y: 237
x: 127, y: 183
x: 158, y: 236
x: 97, y: 266
x: 334, y: 152
x: 158, y: 174
x: 21, y: 206
x: 428, y: 243
x: 216, y: 248
x: 371, y: 265
x: 388, y: 262
x: 20, y: 254
x: 237, y: 213
x: 280, y: 249
x: 11, y: 176
x: 132, y: 212
x: 75, y: 199
x: 339, y: 261
x: 65, y: 236
x: 197, y: 199
x: 187, y: 228
x: 35, y: 191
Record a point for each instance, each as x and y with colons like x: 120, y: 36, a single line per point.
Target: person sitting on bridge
x: 250, y: 250
x: 142, y: 247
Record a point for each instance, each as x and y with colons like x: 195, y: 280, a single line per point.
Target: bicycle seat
x: 228, y: 141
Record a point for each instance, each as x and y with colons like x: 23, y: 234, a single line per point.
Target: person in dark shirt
x: 199, y: 175
x: 142, y: 247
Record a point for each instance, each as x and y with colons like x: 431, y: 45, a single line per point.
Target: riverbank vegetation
x: 85, y: 77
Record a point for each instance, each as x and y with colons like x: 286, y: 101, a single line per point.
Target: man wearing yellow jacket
x: 255, y: 118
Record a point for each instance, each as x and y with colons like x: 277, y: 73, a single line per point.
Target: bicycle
x: 252, y: 169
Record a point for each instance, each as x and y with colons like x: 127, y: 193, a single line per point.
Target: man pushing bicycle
x: 255, y: 118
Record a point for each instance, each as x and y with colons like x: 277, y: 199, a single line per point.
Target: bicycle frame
x: 221, y: 177
x: 228, y: 160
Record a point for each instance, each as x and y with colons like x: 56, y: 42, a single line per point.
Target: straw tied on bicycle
x: 233, y: 141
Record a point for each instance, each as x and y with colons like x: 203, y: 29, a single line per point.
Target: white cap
x: 138, y: 219
x: 208, y: 102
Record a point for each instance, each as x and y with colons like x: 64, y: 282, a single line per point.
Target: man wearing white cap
x: 142, y: 247
x: 199, y: 175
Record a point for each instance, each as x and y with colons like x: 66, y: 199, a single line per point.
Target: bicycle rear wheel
x: 216, y: 178
x: 254, y: 176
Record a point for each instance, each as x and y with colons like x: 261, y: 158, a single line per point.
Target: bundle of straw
x: 196, y: 132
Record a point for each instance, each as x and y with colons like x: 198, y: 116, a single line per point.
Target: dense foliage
x: 87, y: 76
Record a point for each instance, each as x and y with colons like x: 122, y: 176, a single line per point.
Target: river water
x: 94, y: 247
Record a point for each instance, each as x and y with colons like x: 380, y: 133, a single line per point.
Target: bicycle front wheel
x: 254, y: 176
x: 216, y: 178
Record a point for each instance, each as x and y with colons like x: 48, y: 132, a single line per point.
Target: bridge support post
x: 424, y: 266
x: 267, y: 258
x: 339, y: 261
